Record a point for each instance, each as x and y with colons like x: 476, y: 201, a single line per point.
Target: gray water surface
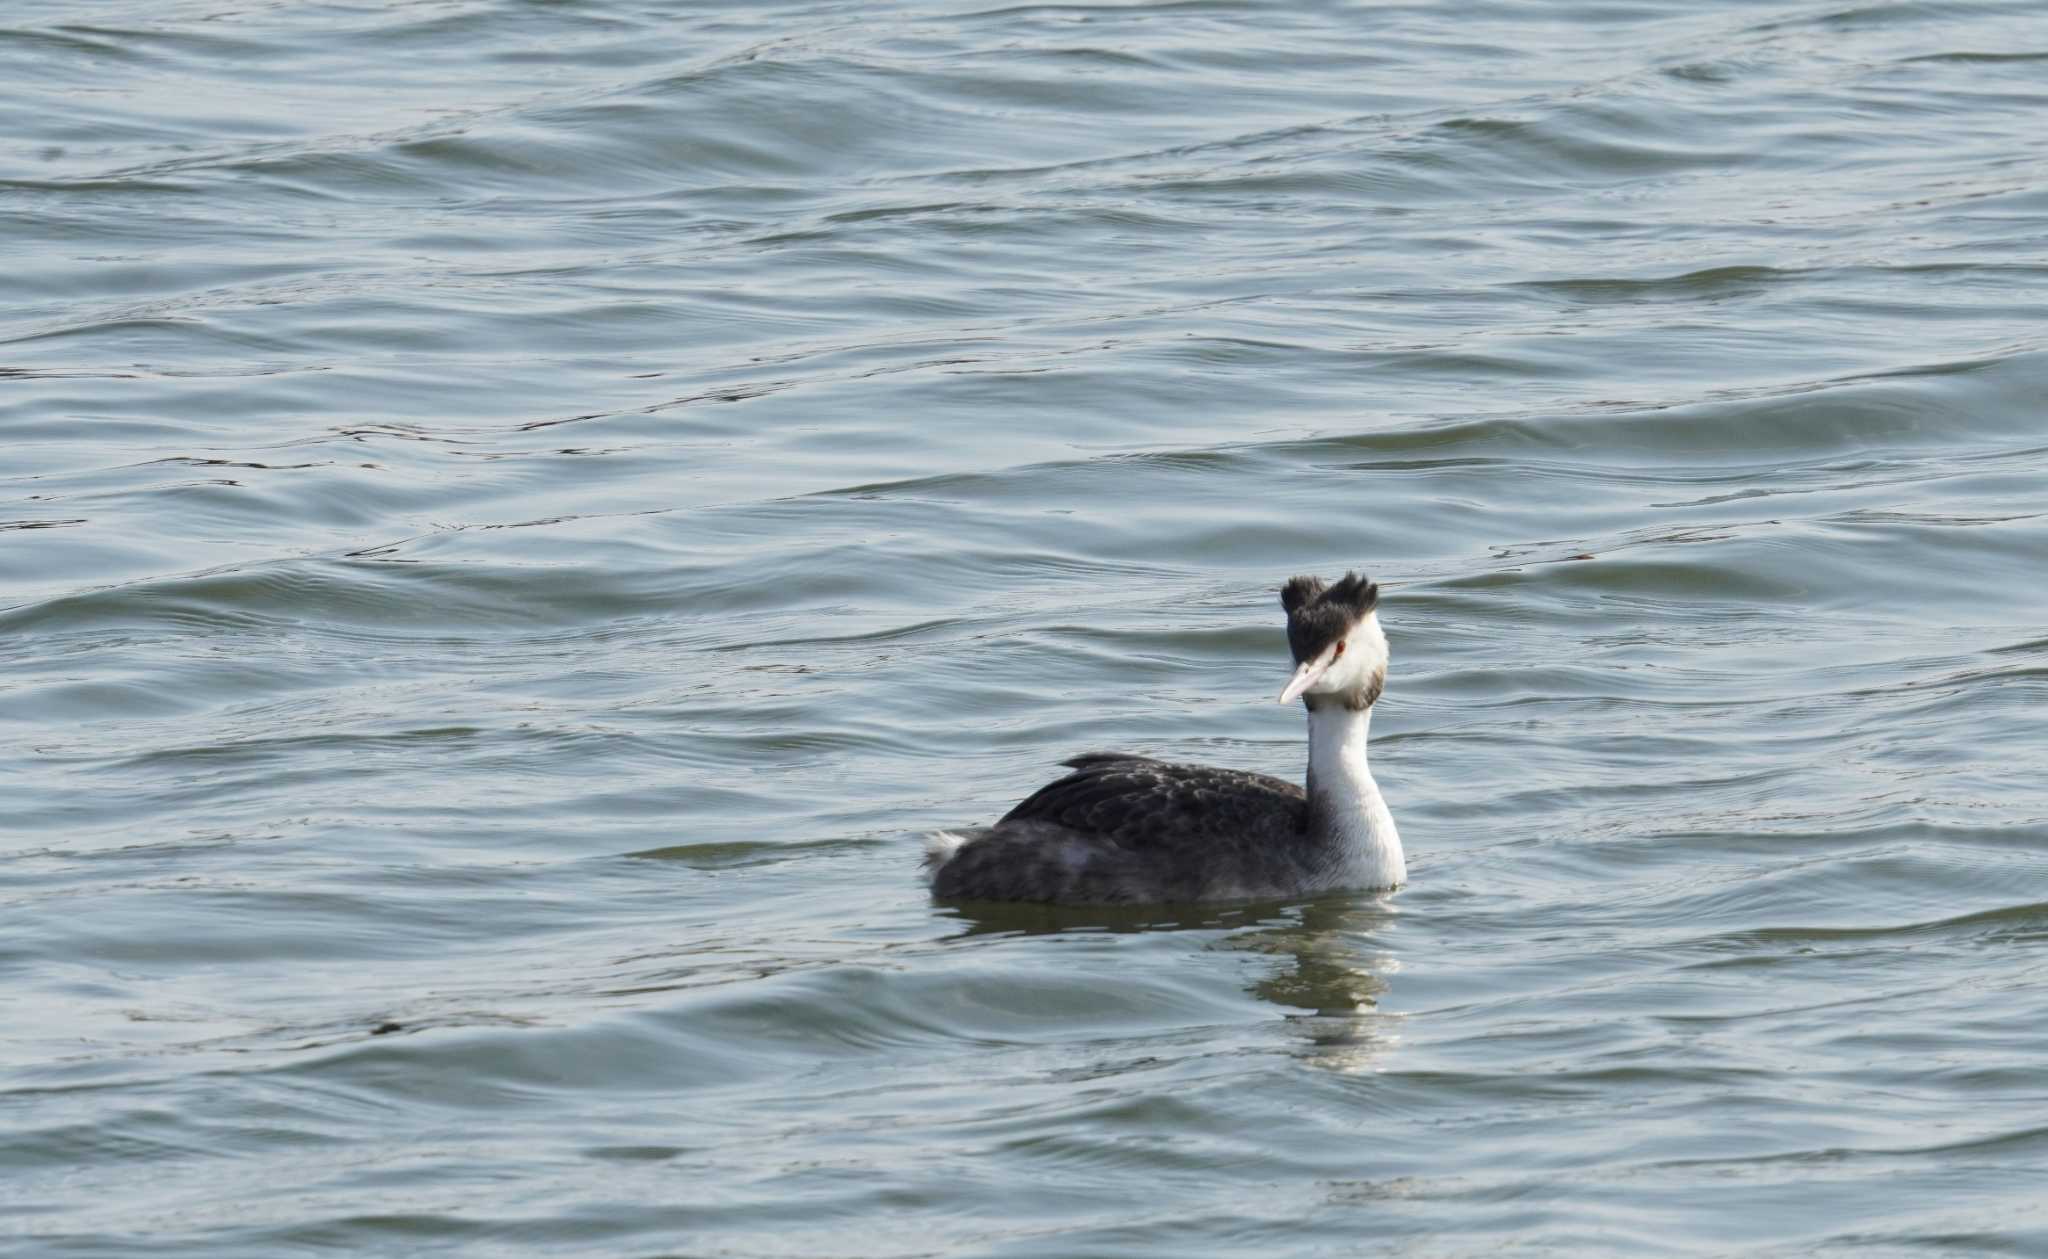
x: 515, y: 517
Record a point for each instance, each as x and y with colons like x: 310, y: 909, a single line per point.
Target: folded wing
x: 1141, y: 803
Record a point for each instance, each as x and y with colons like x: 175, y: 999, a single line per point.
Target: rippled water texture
x: 514, y: 518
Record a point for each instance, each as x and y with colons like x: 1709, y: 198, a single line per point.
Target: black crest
x: 1319, y: 613
x: 1299, y: 591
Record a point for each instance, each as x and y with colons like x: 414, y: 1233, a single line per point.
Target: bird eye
x: 1340, y: 648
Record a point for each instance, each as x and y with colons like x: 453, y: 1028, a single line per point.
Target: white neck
x: 1345, y: 803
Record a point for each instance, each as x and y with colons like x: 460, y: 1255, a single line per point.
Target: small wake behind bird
x: 1129, y: 830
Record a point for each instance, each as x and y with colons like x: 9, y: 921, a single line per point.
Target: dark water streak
x: 513, y: 516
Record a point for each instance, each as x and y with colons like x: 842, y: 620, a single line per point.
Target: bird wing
x: 1144, y: 803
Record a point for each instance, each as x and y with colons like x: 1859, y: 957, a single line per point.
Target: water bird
x: 1127, y: 829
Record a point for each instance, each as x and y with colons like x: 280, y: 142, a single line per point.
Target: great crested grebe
x: 1124, y: 829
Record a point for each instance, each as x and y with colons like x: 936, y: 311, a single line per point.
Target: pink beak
x: 1306, y: 675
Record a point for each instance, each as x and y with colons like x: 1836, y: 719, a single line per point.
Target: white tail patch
x: 939, y: 847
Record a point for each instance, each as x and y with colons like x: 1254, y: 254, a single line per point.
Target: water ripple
x: 513, y: 518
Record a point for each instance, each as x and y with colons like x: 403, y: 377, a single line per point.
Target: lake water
x: 515, y: 518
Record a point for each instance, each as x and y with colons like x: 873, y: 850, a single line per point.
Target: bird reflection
x: 1331, y: 979
x: 1328, y: 977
